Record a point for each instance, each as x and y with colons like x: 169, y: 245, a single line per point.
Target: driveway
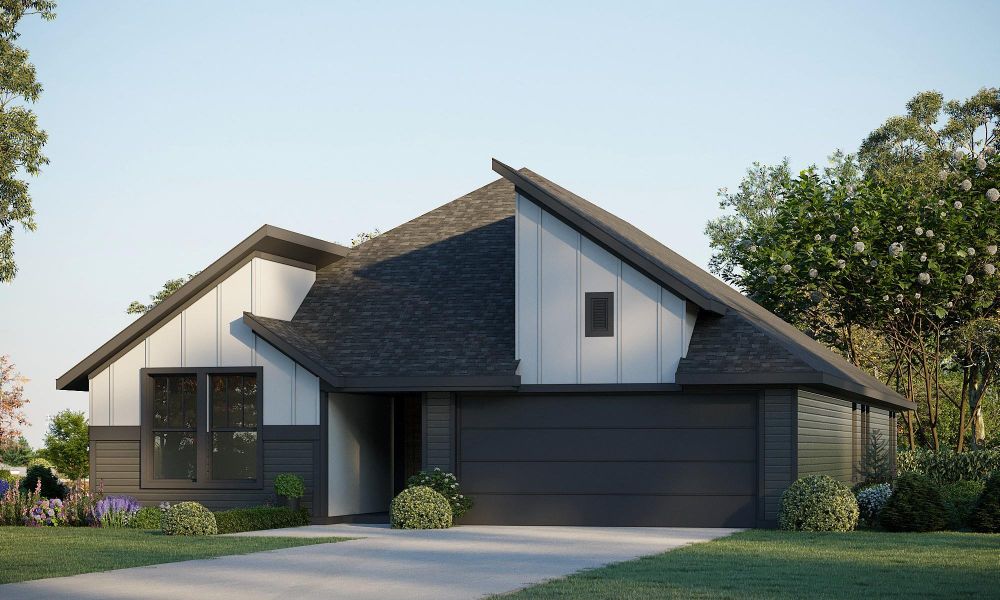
x: 462, y: 562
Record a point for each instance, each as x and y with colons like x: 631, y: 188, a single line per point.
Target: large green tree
x: 21, y: 139
x: 16, y: 453
x: 169, y: 287
x: 67, y: 444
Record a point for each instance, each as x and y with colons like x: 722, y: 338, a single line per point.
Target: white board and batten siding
x: 211, y: 333
x: 556, y: 267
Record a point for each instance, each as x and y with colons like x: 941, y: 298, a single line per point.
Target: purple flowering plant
x: 115, y: 511
x: 46, y: 512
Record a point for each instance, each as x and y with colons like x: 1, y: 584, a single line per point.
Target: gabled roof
x: 268, y: 240
x: 738, y: 341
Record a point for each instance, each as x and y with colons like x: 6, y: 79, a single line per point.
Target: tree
x: 171, y: 286
x: 21, y: 140
x: 12, y: 402
x: 365, y: 236
x: 67, y: 444
x: 16, y: 453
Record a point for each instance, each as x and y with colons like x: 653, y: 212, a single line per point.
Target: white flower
x: 899, y: 227
x: 885, y: 298
x: 859, y: 246
x: 959, y: 155
x: 942, y: 174
x: 895, y: 249
x: 813, y: 273
x: 899, y: 297
x: 943, y: 214
x: 981, y: 163
x: 855, y: 229
x: 993, y: 194
x: 817, y: 237
x: 895, y: 311
x: 970, y: 279
x: 786, y: 268
x: 771, y: 279
x: 970, y: 251
x: 992, y: 249
x: 929, y: 233
x: 833, y: 237
x: 966, y: 185
x: 958, y: 204
x: 919, y: 231
x: 923, y: 279
x: 917, y: 295
x: 940, y: 246
x: 941, y: 202
x: 923, y: 257
x: 753, y: 248
x: 841, y: 263
x: 989, y: 269
x: 950, y: 304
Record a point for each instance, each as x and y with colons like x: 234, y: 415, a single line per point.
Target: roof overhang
x: 269, y: 241
x: 552, y: 203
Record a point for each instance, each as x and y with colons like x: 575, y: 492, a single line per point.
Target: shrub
x: 985, y: 516
x: 876, y: 466
x: 115, y: 511
x: 871, y: 500
x: 189, y: 518
x: 147, y: 517
x: 51, y: 487
x: 818, y: 503
x: 260, y: 517
x: 7, y: 476
x: 946, y: 466
x: 445, y: 484
x: 915, y: 505
x: 959, y: 500
x: 46, y: 512
x: 38, y: 461
x: 289, y: 485
x: 420, y: 507
x: 14, y: 506
x: 78, y: 506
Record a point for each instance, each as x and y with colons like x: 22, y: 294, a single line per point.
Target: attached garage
x: 665, y: 459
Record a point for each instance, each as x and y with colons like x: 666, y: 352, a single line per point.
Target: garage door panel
x: 695, y: 478
x: 607, y: 444
x: 615, y: 511
x: 608, y: 411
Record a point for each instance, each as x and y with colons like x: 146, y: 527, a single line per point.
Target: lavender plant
x: 115, y: 511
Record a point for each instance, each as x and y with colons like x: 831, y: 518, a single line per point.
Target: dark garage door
x: 614, y: 460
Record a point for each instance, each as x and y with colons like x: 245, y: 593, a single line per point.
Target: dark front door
x: 612, y: 460
x: 406, y: 439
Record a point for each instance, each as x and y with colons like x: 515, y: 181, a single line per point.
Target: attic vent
x: 599, y: 319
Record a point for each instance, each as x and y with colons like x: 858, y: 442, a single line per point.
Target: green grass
x: 39, y: 552
x: 780, y: 564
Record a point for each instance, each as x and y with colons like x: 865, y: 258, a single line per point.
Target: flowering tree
x: 12, y: 403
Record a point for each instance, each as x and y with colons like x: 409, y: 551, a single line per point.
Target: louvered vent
x: 600, y: 319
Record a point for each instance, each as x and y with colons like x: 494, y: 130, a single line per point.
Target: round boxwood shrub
x: 51, y: 487
x: 189, y: 518
x: 960, y: 499
x: 148, y: 517
x: 985, y: 516
x: 445, y: 484
x: 420, y: 507
x: 871, y: 501
x: 289, y: 485
x: 818, y: 503
x: 915, y: 505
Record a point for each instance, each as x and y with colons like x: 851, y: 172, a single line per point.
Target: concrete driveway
x: 462, y: 562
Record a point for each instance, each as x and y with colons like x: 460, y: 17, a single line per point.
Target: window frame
x: 203, y: 430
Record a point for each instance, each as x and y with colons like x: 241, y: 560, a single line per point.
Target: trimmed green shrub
x: 985, y: 516
x: 189, y: 518
x: 420, y: 507
x: 289, y: 485
x: 38, y: 461
x: 260, y: 517
x: 148, y: 517
x: 871, y: 501
x: 818, y: 503
x: 946, y: 466
x: 915, y: 505
x: 7, y: 476
x: 445, y: 484
x: 51, y: 486
x: 960, y: 499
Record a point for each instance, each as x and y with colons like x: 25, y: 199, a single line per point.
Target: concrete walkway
x: 462, y: 562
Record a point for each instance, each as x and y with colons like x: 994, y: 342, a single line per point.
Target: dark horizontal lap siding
x: 616, y: 460
x: 115, y: 463
x: 778, y: 467
x: 439, y: 431
x: 825, y: 436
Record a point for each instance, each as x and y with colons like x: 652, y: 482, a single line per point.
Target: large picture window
x: 201, y: 427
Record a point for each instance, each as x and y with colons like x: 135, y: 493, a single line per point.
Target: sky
x: 178, y: 128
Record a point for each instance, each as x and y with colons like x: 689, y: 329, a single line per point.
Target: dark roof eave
x: 268, y: 239
x: 582, y: 223
x: 887, y: 396
x: 329, y: 377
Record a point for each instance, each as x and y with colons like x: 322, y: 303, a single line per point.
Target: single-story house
x: 566, y: 366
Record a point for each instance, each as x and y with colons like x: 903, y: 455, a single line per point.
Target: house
x: 569, y: 368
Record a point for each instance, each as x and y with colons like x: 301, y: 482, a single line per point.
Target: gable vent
x: 599, y: 314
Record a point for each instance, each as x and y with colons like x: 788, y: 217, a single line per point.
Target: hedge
x: 946, y: 466
x: 818, y: 503
x: 260, y: 517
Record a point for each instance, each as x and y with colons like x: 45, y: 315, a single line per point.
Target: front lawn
x: 782, y: 564
x: 39, y: 552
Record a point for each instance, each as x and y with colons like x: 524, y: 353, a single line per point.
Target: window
x: 599, y: 314
x: 201, y: 428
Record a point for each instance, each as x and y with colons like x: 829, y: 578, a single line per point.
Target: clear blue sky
x: 177, y: 128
